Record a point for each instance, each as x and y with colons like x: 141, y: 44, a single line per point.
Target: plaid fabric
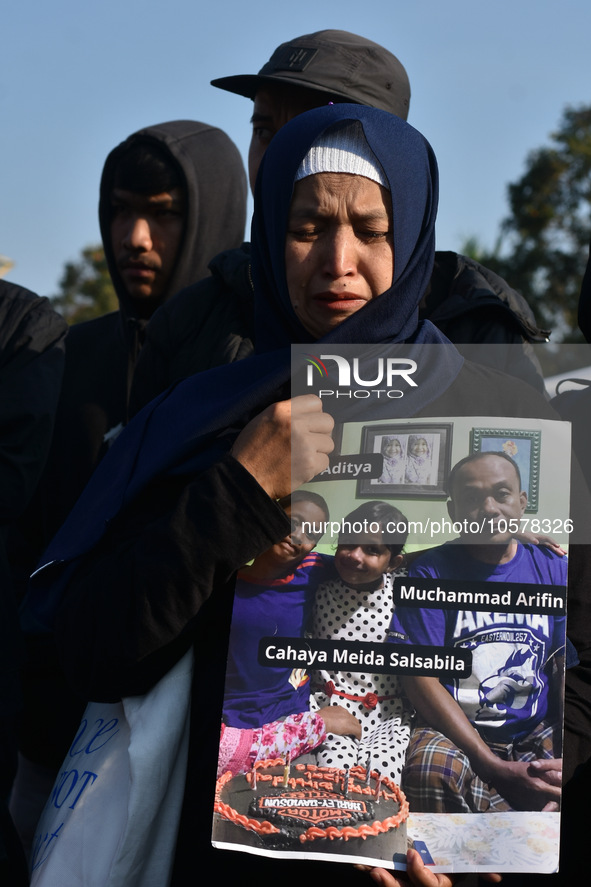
x: 438, y: 778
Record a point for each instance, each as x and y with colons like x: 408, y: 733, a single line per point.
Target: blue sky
x: 489, y: 83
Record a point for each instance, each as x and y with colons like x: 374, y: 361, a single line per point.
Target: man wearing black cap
x: 314, y: 70
x: 467, y: 302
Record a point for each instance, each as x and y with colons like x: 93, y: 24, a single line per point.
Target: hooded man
x: 469, y: 303
x: 171, y: 196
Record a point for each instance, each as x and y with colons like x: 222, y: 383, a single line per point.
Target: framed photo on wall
x: 523, y: 447
x: 416, y: 460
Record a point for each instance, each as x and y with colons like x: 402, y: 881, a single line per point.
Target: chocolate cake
x: 310, y: 804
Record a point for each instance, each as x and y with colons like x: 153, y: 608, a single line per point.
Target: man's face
x: 274, y: 106
x: 487, y: 491
x: 283, y: 557
x: 146, y: 233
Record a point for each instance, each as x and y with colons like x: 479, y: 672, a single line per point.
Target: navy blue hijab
x: 411, y: 170
x: 195, y: 422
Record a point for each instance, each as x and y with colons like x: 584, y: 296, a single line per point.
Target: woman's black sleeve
x: 161, y: 578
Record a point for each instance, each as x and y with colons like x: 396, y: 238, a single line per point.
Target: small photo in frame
x: 524, y: 449
x: 416, y: 461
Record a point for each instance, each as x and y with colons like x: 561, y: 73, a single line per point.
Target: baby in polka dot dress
x: 357, y: 604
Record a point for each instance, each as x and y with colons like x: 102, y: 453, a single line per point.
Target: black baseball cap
x: 340, y: 64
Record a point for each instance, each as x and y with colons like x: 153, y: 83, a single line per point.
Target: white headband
x: 342, y: 149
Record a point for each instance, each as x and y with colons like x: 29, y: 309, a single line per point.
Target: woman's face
x: 419, y: 447
x: 391, y: 448
x: 339, y: 249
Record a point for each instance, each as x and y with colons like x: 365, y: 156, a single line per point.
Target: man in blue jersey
x: 489, y: 741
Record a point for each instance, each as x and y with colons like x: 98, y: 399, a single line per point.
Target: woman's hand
x: 419, y: 874
x: 536, y: 539
x: 340, y: 721
x: 286, y: 445
x: 527, y: 785
x: 548, y: 769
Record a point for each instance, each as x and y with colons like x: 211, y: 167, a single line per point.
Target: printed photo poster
x: 392, y: 601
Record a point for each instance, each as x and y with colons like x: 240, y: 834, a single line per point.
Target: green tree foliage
x: 86, y: 290
x: 543, y: 245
